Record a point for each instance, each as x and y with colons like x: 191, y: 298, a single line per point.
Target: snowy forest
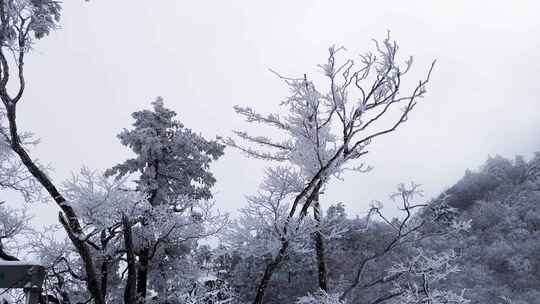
x: 150, y: 228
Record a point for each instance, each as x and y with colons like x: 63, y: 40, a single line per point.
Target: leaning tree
x: 324, y: 131
x: 22, y: 23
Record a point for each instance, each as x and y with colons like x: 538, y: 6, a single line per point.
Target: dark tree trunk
x: 68, y: 218
x: 130, y: 291
x: 269, y: 271
x: 142, y: 275
x: 319, y: 245
x: 270, y: 268
x: 92, y: 282
x: 144, y: 254
x: 104, y: 264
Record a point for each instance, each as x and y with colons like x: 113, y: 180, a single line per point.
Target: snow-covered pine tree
x: 171, y: 164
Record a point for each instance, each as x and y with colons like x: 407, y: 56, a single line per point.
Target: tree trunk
x: 144, y: 254
x: 130, y: 292
x: 67, y: 217
x: 269, y: 271
x: 104, y: 263
x: 142, y: 275
x: 92, y: 282
x: 104, y: 275
x: 319, y: 245
x: 270, y: 268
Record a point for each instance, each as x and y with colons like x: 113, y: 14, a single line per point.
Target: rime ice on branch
x: 324, y: 131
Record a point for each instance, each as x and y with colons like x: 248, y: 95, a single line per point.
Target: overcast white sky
x: 114, y: 57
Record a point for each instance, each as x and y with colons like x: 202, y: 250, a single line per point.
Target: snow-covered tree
x: 321, y: 297
x: 418, y: 274
x: 361, y: 252
x: 13, y: 174
x: 324, y: 131
x: 65, y: 272
x: 498, y: 256
x: 14, y: 177
x: 22, y: 22
x: 419, y: 222
x: 210, y: 290
x: 171, y: 164
x: 128, y: 227
x: 13, y: 223
x: 172, y: 160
